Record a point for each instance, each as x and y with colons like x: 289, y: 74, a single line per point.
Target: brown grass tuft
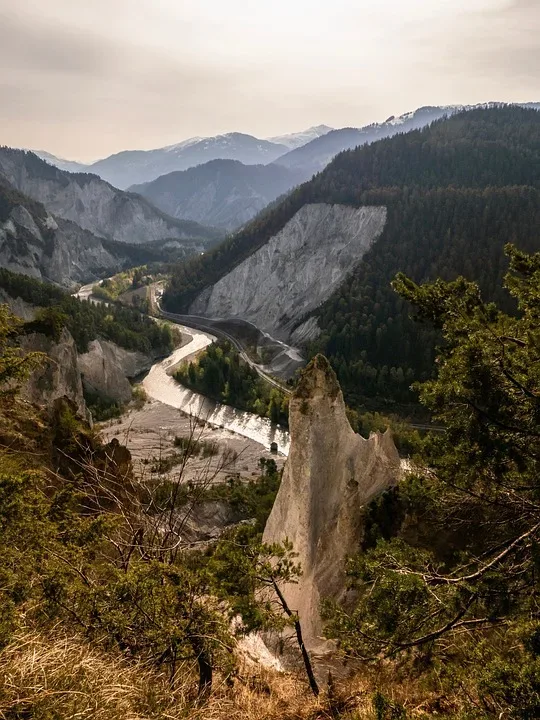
x: 56, y: 677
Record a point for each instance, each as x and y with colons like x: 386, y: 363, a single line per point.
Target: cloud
x: 87, y: 79
x: 48, y: 48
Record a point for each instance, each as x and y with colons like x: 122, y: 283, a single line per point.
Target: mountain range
x: 132, y: 167
x: 227, y: 195
x: 94, y: 204
x: 305, y: 152
x: 36, y: 243
x: 71, y: 228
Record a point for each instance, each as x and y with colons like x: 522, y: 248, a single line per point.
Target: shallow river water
x: 160, y: 385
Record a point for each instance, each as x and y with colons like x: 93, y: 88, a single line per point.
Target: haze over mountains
x: 227, y: 195
x: 94, y: 204
x: 183, y: 207
x: 71, y: 228
x: 222, y: 193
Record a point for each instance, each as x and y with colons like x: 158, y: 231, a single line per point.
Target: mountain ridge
x: 94, y: 204
x: 220, y: 193
x: 33, y: 242
x: 315, y: 155
x: 131, y: 167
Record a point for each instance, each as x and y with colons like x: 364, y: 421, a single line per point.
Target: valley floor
x: 150, y: 433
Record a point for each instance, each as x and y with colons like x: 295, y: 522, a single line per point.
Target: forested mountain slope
x: 94, y: 204
x: 315, y: 155
x: 221, y: 193
x: 455, y: 192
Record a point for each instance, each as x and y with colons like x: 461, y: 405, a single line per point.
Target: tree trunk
x: 205, y: 667
x: 298, y: 629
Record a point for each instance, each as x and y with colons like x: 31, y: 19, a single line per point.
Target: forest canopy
x: 455, y: 191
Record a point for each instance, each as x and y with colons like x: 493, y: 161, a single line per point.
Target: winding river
x: 160, y: 385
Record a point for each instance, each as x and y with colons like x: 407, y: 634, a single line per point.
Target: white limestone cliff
x: 331, y: 473
x: 296, y: 270
x: 106, y: 367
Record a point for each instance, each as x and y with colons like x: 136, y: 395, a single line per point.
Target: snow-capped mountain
x: 133, y: 167
x: 315, y: 155
x: 296, y: 140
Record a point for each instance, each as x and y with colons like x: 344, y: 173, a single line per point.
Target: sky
x: 86, y: 78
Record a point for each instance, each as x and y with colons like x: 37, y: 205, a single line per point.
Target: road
x: 201, y: 323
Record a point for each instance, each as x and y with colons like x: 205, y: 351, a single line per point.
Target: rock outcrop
x: 35, y: 243
x: 330, y: 475
x: 296, y: 270
x: 58, y: 376
x: 95, y: 205
x: 106, y: 367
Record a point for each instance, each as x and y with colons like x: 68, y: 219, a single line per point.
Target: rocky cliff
x: 296, y: 270
x: 58, y: 376
x: 34, y: 242
x: 330, y: 475
x: 93, y: 204
x: 107, y: 368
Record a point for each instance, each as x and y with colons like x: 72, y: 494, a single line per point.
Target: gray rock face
x: 36, y: 244
x: 105, y: 369
x: 58, y: 376
x: 330, y: 475
x: 18, y: 306
x: 94, y: 204
x: 297, y: 270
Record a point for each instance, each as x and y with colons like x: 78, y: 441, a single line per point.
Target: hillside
x: 296, y: 140
x: 94, y: 204
x: 315, y: 155
x: 132, y: 167
x: 455, y: 192
x: 36, y: 243
x: 220, y: 193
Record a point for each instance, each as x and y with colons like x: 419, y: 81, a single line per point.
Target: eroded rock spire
x: 330, y: 474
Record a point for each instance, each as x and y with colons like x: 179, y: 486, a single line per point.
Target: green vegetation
x: 89, y: 554
x: 252, y: 499
x: 85, y: 321
x: 448, y: 580
x: 407, y: 439
x: 135, y: 278
x: 455, y: 193
x: 220, y: 374
x: 102, y: 408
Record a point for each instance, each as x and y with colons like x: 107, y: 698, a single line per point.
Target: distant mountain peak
x: 296, y: 140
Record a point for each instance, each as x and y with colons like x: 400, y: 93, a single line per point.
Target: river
x: 160, y: 385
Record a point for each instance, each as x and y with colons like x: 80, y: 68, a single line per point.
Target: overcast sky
x: 86, y: 78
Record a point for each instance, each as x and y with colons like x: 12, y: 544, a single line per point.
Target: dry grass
x: 56, y: 677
